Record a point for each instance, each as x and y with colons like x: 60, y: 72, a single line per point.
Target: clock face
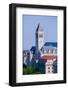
x: 40, y: 35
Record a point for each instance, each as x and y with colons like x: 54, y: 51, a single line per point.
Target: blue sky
x: 48, y: 24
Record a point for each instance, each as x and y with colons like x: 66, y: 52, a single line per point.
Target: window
x: 40, y: 41
x: 55, y: 51
x: 48, y: 67
x: 47, y: 50
x: 48, y: 71
x: 52, y: 51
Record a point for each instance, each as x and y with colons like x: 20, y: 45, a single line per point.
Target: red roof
x: 46, y: 57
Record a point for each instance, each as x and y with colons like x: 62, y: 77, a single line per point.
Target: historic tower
x: 39, y: 37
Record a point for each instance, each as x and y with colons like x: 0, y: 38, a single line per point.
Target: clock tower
x: 39, y: 37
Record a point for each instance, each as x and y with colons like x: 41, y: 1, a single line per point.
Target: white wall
x: 4, y: 37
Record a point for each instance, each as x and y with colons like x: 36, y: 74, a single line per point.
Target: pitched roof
x: 49, y: 45
x: 33, y: 48
x: 47, y: 57
x: 54, y: 44
x: 24, y: 51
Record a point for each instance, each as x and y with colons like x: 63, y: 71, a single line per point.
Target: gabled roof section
x: 33, y: 48
x: 54, y: 44
x: 49, y: 45
x: 48, y: 57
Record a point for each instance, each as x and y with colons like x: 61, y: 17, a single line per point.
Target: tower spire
x: 39, y: 27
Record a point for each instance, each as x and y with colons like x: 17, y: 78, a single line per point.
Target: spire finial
x: 39, y: 28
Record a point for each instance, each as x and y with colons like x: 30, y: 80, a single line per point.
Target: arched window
x: 52, y: 51
x: 47, y: 51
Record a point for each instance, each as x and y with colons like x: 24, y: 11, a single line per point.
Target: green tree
x: 30, y: 70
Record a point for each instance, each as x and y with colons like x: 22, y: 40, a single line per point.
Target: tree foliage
x: 30, y: 70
